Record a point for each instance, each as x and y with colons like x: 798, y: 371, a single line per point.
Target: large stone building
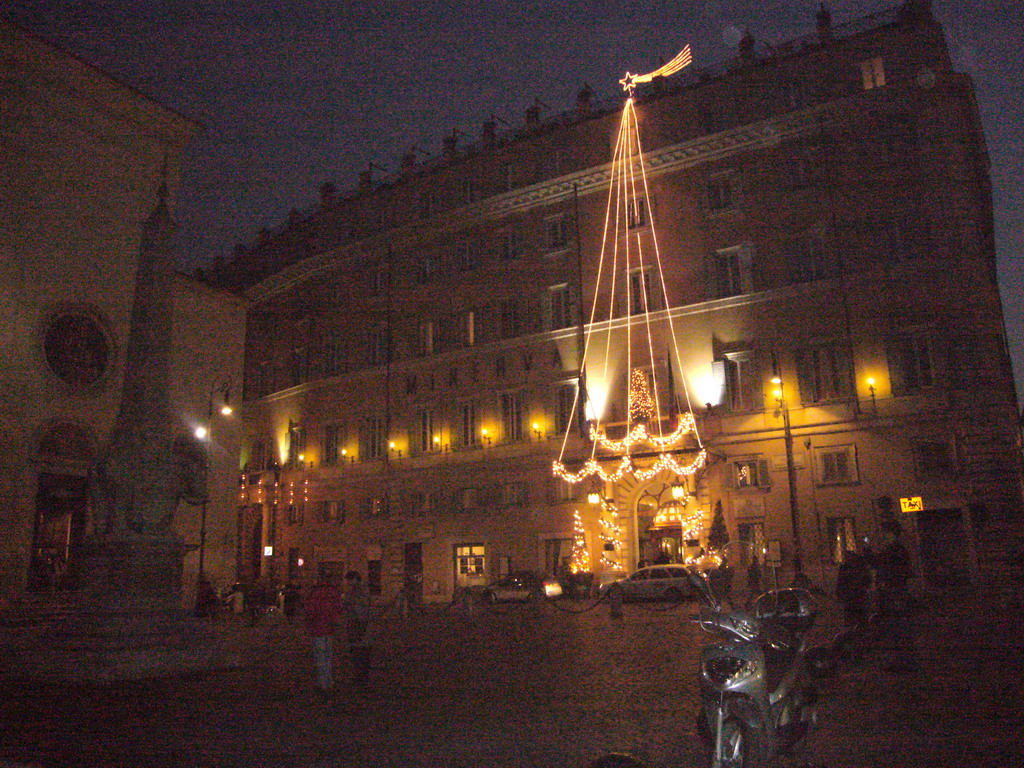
x: 81, y: 159
x: 825, y: 229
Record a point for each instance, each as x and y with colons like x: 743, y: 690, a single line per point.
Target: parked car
x: 654, y: 582
x: 522, y: 586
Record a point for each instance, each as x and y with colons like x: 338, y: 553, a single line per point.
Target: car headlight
x: 723, y: 670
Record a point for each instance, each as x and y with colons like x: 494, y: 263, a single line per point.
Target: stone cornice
x: 664, y: 160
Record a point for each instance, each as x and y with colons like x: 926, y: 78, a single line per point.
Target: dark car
x: 522, y: 586
x: 654, y: 582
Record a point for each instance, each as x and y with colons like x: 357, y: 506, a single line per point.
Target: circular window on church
x: 77, y: 350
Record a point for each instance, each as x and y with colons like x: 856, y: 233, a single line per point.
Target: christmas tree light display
x: 650, y: 443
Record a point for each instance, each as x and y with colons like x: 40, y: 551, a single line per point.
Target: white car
x: 655, y: 582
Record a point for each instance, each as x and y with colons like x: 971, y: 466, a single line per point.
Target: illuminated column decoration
x: 611, y: 536
x: 641, y: 404
x: 580, y: 562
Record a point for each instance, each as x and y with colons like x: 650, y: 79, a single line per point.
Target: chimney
x: 533, y: 116
x: 489, y: 132
x: 408, y: 162
x: 450, y: 144
x: 583, y: 99
x: 747, y: 46
x: 824, y: 19
x: 327, y: 194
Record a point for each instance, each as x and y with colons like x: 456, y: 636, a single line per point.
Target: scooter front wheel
x: 742, y: 746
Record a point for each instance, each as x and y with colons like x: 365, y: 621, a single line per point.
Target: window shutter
x: 718, y: 377
x: 805, y: 376
x: 764, y: 478
x: 894, y: 353
x: 546, y: 298
x: 746, y: 257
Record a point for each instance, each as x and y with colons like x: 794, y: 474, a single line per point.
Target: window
x: 332, y: 439
x: 371, y: 439
x: 379, y: 282
x: 911, y: 362
x: 751, y: 473
x: 466, y: 256
x: 557, y: 234
x: 469, y: 426
x: 752, y: 542
x: 426, y: 269
x: 469, y: 559
x: 566, y: 491
x: 512, y: 245
x: 298, y: 366
x: 565, y: 396
x: 934, y: 460
x: 559, y: 307
x: 465, y: 500
x: 514, y: 494
x: 509, y: 310
x: 824, y: 372
x: 738, y: 377
x: 332, y: 512
x: 508, y: 177
x: 642, y: 296
x: 425, y: 419
x: 842, y: 537
x: 720, y: 192
x: 512, y: 416
x: 837, y: 465
x: 426, y: 338
x: 293, y: 513
x: 636, y: 213
x: 378, y: 345
x: 731, y: 271
x: 375, y: 506
x: 469, y: 327
x: 258, y: 460
x: 872, y: 72
x: 807, y: 258
x: 421, y: 502
x: 296, y: 443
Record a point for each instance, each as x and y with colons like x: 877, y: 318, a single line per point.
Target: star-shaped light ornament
x: 628, y: 82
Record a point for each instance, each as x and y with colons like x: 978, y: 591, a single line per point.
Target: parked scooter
x: 757, y: 697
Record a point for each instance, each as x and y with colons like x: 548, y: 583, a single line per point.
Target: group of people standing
x: 889, y: 570
x: 329, y: 606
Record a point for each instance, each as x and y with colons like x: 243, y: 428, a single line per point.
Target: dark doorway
x: 250, y: 543
x: 61, y: 504
x: 945, y: 550
x: 414, y: 572
x: 374, y: 571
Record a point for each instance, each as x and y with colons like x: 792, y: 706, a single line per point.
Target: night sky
x: 293, y: 93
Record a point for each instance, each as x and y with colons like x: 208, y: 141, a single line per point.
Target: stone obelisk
x: 127, y: 622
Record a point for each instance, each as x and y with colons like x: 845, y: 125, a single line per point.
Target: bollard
x: 615, y: 602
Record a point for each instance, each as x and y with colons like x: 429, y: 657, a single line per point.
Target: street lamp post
x: 206, y: 433
x: 794, y: 504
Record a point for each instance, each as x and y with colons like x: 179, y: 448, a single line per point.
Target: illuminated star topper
x: 682, y: 59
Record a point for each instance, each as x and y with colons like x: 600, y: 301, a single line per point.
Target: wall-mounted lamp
x: 871, y: 389
x: 679, y: 491
x: 486, y: 435
x: 437, y: 442
x: 594, y: 498
x: 536, y: 430
x: 392, y: 447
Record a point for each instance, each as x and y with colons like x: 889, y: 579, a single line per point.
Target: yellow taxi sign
x: 911, y: 504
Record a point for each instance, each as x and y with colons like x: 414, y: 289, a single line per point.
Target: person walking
x: 852, y: 585
x: 323, y: 609
x: 356, y: 613
x: 892, y: 572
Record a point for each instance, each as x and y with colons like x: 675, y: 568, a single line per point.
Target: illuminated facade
x: 824, y: 220
x: 81, y: 158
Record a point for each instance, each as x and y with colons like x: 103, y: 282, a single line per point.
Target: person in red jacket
x: 322, y: 611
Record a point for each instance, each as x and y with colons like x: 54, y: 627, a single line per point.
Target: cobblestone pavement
x: 522, y: 686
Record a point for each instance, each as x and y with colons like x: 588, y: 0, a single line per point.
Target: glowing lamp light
x: 678, y: 491
x: 226, y: 410
x: 594, y: 497
x: 391, y: 445
x: 776, y: 380
x: 201, y: 433
x: 301, y: 562
x: 437, y: 440
x: 871, y: 381
x: 344, y: 451
x: 302, y: 457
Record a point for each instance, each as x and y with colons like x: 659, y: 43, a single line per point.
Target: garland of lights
x: 682, y: 59
x: 640, y: 434
x: 665, y: 461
